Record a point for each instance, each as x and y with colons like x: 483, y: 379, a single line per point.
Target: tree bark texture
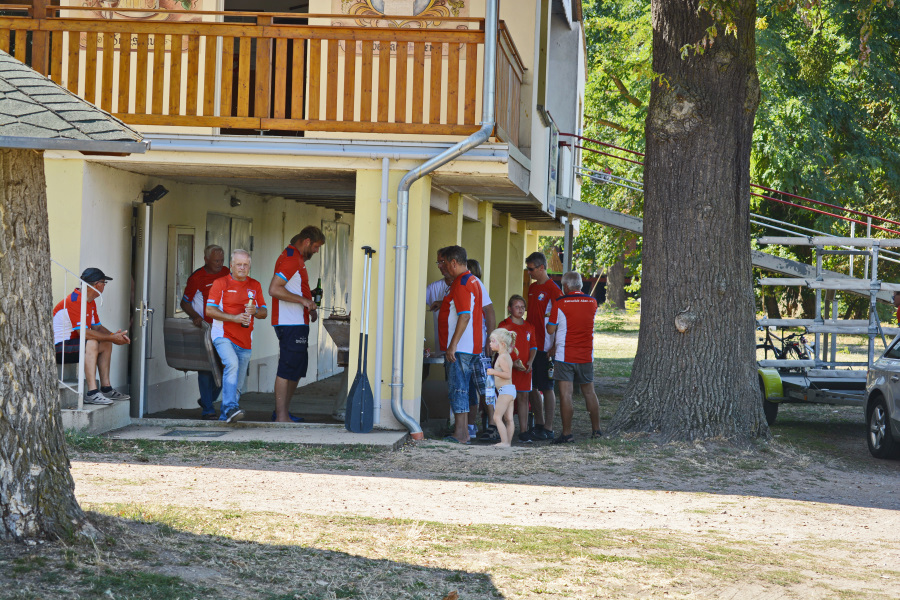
x: 615, y: 284
x: 694, y: 374
x: 37, y: 499
x: 771, y: 304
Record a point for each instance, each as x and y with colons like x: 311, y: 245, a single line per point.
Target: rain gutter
x: 401, y: 248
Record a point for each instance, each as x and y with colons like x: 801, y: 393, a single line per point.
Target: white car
x: 883, y: 404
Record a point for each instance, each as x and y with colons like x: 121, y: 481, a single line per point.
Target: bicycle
x: 793, y: 347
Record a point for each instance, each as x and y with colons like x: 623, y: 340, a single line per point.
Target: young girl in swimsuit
x: 501, y: 341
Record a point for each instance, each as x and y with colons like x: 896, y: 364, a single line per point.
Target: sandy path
x: 752, y: 517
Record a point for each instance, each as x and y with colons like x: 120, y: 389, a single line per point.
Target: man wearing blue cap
x: 98, y: 341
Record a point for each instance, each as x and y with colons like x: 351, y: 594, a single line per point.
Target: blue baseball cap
x: 93, y: 275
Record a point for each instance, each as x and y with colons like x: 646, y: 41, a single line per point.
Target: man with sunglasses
x: 541, y: 293
x: 98, y: 340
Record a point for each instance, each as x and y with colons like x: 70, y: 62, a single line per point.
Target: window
x: 180, y: 265
x: 229, y: 232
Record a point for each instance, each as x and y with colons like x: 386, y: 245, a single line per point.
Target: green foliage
x: 619, y: 45
x: 825, y: 128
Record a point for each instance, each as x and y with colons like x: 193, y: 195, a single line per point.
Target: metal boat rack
x: 825, y: 246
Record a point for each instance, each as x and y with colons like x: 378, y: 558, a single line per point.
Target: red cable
x: 822, y: 212
x: 819, y: 202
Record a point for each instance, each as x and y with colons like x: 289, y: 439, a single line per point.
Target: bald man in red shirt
x: 571, y: 324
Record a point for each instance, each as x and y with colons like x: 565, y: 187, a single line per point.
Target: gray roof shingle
x: 36, y: 113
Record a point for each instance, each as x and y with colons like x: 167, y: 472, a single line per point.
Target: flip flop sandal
x: 293, y: 418
x: 453, y: 440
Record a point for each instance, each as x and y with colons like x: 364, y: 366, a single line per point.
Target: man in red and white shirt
x: 541, y: 293
x: 460, y: 336
x: 193, y: 302
x: 293, y: 309
x: 98, y: 340
x: 572, y: 326
x: 235, y: 301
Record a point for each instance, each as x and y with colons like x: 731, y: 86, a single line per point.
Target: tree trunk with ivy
x: 37, y: 499
x: 694, y: 375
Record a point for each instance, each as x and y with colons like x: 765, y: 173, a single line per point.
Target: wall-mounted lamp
x: 154, y: 194
x: 235, y: 201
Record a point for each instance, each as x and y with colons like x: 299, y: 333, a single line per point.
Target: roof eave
x: 91, y: 146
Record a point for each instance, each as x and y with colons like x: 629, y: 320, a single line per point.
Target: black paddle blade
x: 360, y: 406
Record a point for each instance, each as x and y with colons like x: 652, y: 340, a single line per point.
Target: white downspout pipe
x: 473, y: 141
x: 382, y: 260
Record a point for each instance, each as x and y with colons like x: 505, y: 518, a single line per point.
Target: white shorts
x: 508, y: 389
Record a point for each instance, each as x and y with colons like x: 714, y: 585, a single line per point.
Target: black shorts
x: 68, y: 349
x: 293, y: 342
x: 540, y: 374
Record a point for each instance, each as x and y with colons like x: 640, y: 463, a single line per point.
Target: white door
x: 142, y: 321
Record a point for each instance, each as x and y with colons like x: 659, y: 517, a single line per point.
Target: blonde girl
x: 501, y: 341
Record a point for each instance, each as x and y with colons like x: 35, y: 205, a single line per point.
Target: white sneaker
x: 116, y: 395
x: 96, y: 398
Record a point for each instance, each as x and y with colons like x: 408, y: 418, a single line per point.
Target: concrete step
x: 97, y: 418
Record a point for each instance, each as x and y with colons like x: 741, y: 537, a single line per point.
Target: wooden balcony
x: 277, y: 72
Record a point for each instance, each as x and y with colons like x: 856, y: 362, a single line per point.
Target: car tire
x: 878, y: 430
x: 769, y: 408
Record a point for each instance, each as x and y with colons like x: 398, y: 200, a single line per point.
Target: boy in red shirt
x: 234, y: 301
x: 540, y: 294
x: 572, y: 326
x: 193, y: 302
x: 526, y: 350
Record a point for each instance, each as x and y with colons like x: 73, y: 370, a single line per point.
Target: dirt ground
x: 808, y: 514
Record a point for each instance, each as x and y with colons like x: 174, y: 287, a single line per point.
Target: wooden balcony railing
x: 269, y: 74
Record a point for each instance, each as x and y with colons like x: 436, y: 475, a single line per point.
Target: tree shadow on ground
x: 817, y: 453
x: 146, y: 558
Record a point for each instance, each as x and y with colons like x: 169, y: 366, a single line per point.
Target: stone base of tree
x: 96, y: 419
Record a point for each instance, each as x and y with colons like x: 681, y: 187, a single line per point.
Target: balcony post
x: 263, y: 71
x: 40, y: 47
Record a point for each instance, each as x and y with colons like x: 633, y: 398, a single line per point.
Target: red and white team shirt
x: 230, y: 296
x: 196, y: 291
x: 463, y: 298
x: 525, y: 343
x: 540, y: 295
x: 291, y: 267
x: 573, y: 315
x: 67, y: 317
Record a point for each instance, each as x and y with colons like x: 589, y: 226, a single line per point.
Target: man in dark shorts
x: 571, y: 323
x: 293, y: 309
x: 98, y: 340
x: 541, y: 293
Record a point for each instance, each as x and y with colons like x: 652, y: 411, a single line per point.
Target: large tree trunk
x: 694, y: 375
x: 615, y: 284
x: 37, y: 497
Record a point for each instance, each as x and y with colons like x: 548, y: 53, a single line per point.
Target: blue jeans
x: 459, y: 378
x: 209, y: 391
x: 236, y: 360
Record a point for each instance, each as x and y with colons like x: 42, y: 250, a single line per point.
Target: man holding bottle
x: 293, y: 309
x: 234, y: 301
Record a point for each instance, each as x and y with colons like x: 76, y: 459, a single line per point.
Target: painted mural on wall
x: 145, y: 10
x: 367, y: 13
x: 371, y: 13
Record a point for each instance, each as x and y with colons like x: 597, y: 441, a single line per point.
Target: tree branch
x: 623, y: 90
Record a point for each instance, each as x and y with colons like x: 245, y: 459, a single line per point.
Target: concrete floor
x: 315, y: 403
